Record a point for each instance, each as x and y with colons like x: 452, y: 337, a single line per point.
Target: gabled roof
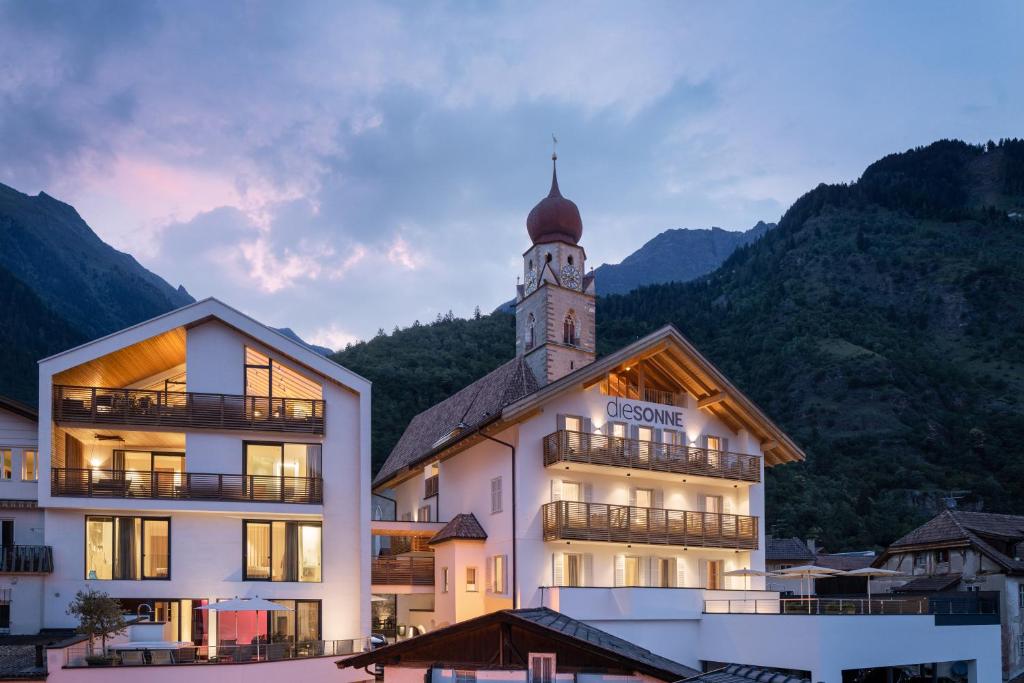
x: 511, y: 393
x: 19, y: 408
x: 735, y: 673
x: 463, y: 527
x: 787, y: 549
x: 929, y: 584
x: 956, y: 528
x: 555, y: 629
x: 195, y: 314
x: 844, y: 562
x: 474, y: 406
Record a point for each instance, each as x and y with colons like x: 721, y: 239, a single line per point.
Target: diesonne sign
x: 631, y: 411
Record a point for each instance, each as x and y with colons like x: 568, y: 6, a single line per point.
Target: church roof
x: 472, y: 407
x: 555, y: 218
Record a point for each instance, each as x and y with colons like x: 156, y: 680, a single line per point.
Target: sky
x: 338, y: 168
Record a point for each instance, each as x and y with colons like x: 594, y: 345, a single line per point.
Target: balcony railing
x: 600, y: 449
x: 571, y: 521
x: 430, y: 486
x: 96, y: 483
x: 409, y: 570
x: 937, y: 604
x: 95, y: 405
x: 77, y: 655
x: 26, y: 559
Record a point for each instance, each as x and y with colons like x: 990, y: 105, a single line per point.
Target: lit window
x: 282, y: 551
x: 423, y: 515
x: 8, y: 464
x: 127, y: 548
x: 444, y: 579
x: 465, y: 676
x: 471, y: 585
x: 498, y: 574
x: 495, y: 495
x: 29, y: 466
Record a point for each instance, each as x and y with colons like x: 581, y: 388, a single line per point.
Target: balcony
x: 598, y: 449
x: 407, y: 570
x: 26, y: 559
x: 187, y: 410
x: 96, y: 483
x: 571, y: 521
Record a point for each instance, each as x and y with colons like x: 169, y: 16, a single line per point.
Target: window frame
x: 499, y: 582
x: 474, y: 585
x: 140, y: 520
x: 6, y: 464
x: 545, y: 656
x: 270, y: 522
x: 35, y: 463
x: 444, y: 579
x: 497, y: 509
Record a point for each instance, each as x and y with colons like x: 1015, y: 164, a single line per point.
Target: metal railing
x: 406, y: 570
x: 616, y: 451
x: 572, y: 521
x: 97, y: 483
x: 79, y: 655
x: 430, y: 486
x: 852, y: 606
x: 100, y: 405
x: 26, y: 559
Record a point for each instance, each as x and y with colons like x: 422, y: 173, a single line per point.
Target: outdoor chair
x: 133, y: 658
x: 160, y: 657
x: 186, y: 655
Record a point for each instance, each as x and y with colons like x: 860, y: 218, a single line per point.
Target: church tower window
x: 569, y: 335
x: 531, y: 323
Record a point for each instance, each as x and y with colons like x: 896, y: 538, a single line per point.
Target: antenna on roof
x: 554, y: 147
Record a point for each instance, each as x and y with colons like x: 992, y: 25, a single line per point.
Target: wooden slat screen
x: 96, y: 405
x: 601, y: 449
x: 572, y: 521
x: 410, y: 570
x: 96, y: 483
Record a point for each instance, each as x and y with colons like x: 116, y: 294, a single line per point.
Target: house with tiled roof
x: 969, y: 551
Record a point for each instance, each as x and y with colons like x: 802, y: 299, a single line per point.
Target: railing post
x: 92, y: 403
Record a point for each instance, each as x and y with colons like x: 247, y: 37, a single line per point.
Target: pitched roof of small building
x: 787, y: 549
x: 472, y: 406
x: 18, y: 408
x: 543, y: 626
x: 844, y: 562
x: 736, y: 673
x: 958, y: 528
x: 462, y: 527
x: 929, y: 584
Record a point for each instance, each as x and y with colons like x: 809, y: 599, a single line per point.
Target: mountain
x: 291, y: 334
x: 63, y: 286
x: 94, y: 287
x: 678, y: 255
x: 881, y: 324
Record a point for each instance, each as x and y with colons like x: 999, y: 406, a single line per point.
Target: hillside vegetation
x: 881, y: 324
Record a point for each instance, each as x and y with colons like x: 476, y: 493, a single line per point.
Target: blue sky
x: 340, y: 167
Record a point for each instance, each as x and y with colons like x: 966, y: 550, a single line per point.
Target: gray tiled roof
x: 971, y: 528
x: 735, y: 673
x: 787, y: 549
x: 473, y: 405
x: 557, y: 621
x: 844, y: 562
x: 929, y: 584
x: 464, y: 527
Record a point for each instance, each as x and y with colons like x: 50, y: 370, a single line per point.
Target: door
x: 665, y: 571
x: 7, y: 533
x: 631, y: 571
x: 713, y: 574
x: 645, y: 448
x: 711, y: 518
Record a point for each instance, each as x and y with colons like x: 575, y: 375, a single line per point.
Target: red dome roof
x: 555, y: 218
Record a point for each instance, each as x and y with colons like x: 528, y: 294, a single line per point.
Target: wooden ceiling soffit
x: 680, y: 367
x: 130, y: 364
x: 683, y: 380
x: 711, y: 400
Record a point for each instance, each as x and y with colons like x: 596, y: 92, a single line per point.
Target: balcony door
x: 280, y: 471
x: 646, y: 445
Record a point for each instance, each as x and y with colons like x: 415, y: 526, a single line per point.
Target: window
x: 471, y: 585
x: 29, y: 466
x: 127, y: 548
x: 531, y: 324
x: 1020, y: 645
x: 572, y: 491
x: 618, y: 430
x: 498, y: 574
x: 920, y: 560
x: 643, y: 498
x: 6, y: 533
x: 713, y: 577
x: 542, y: 668
x: 7, y: 464
x: 266, y: 460
x: 671, y: 437
x: 423, y: 514
x: 465, y: 676
x: 712, y: 504
x: 1020, y: 595
x: 941, y: 556
x: 573, y: 423
x: 573, y: 569
x: 631, y: 571
x: 666, y: 569
x: 267, y: 377
x: 495, y: 495
x: 282, y: 551
x: 444, y: 579
x: 569, y: 330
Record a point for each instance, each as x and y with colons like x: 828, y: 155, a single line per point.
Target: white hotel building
x: 201, y: 456
x: 620, y: 491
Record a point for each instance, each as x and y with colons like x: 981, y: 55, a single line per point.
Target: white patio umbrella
x: 237, y: 604
x: 746, y: 573
x: 809, y: 572
x: 871, y: 573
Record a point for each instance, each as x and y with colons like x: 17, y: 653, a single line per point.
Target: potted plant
x: 99, y: 616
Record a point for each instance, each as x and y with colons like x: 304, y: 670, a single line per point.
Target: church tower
x: 555, y: 328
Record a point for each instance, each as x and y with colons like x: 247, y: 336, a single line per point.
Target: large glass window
x: 127, y: 548
x: 267, y: 377
x: 7, y: 463
x: 282, y: 459
x: 282, y: 551
x: 29, y: 466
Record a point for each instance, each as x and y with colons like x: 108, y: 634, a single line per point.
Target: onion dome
x: 555, y: 218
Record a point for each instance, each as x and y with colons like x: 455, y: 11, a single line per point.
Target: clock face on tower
x: 570, y: 276
x: 531, y: 282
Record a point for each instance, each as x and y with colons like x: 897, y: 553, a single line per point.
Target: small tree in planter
x: 99, y: 616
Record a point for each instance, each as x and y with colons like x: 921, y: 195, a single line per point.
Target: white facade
x: 208, y: 539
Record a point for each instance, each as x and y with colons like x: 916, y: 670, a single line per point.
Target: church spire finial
x: 554, y: 168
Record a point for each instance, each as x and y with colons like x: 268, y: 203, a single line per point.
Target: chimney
x: 812, y: 545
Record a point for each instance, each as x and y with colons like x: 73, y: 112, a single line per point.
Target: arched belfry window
x: 531, y: 323
x: 569, y: 333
